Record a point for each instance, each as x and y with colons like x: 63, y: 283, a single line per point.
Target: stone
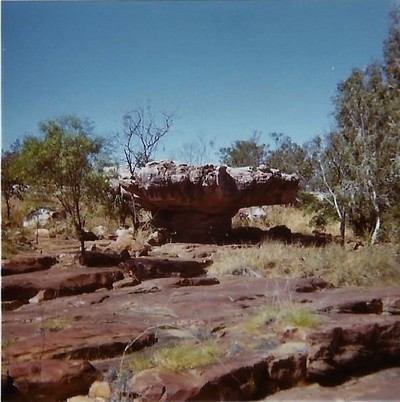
x: 99, y: 259
x: 20, y: 265
x: 337, y: 351
x: 383, y: 385
x: 50, y: 380
x: 127, y: 282
x: 197, y: 203
x: 100, y: 389
x: 41, y: 217
x: 42, y: 233
x: 100, y: 231
x: 357, y: 328
x: 58, y: 283
x: 196, y: 282
x: 152, y: 267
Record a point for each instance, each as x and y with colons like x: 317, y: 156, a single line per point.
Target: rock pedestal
x: 197, y: 203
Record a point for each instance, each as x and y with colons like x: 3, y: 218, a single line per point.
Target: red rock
x: 58, y: 282
x: 153, y: 267
x: 196, y: 282
x: 337, y: 351
x: 20, y: 265
x: 197, y: 203
x: 49, y: 380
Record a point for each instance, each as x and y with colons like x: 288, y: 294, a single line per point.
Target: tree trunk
x: 8, y: 206
x: 375, y: 233
x: 342, y: 228
x: 80, y: 230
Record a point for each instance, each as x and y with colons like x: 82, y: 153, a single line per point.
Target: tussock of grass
x: 378, y: 265
x: 183, y: 356
x: 55, y: 324
x: 286, y: 314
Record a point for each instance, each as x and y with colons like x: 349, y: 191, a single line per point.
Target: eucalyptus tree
x: 367, y: 111
x: 67, y: 161
x: 12, y: 184
x: 244, y: 152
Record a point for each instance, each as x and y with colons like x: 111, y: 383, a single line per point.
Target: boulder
x: 152, y: 267
x: 58, y: 283
x: 197, y: 203
x: 48, y: 380
x: 21, y: 265
x: 41, y: 217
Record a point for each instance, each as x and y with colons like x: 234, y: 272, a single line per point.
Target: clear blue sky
x: 226, y: 68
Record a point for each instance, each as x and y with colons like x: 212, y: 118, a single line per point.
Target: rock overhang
x: 166, y: 185
x: 197, y: 203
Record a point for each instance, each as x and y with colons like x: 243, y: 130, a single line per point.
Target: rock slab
x: 197, y: 203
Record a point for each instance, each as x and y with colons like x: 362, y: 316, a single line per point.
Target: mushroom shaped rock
x: 197, y: 203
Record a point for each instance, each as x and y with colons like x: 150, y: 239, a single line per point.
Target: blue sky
x: 227, y: 68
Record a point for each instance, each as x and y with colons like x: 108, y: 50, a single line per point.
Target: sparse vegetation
x: 182, y: 356
x: 287, y: 313
x: 54, y: 325
x: 337, y: 265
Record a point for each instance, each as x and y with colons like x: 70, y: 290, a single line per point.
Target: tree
x: 244, y: 153
x: 197, y: 151
x: 367, y: 112
x: 11, y: 181
x: 67, y: 162
x: 290, y: 157
x: 142, y: 135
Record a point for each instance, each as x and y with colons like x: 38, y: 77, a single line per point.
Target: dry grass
x: 182, y: 356
x: 378, y: 265
x: 294, y: 218
x: 287, y: 313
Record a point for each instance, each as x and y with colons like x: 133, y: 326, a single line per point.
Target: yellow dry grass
x: 338, y: 265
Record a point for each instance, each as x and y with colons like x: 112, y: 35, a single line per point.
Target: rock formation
x: 197, y: 203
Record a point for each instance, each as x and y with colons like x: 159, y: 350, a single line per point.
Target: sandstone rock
x: 58, y: 283
x: 50, y: 380
x: 336, y: 352
x: 85, y: 235
x: 383, y: 385
x: 197, y: 203
x: 99, y: 259
x: 100, y: 231
x: 127, y: 282
x: 151, y: 267
x: 20, y: 265
x: 41, y: 217
x: 100, y: 389
x: 158, y: 238
x: 196, y: 282
x: 42, y: 233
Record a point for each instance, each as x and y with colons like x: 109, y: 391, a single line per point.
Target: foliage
x: 354, y: 171
x: 12, y: 185
x: 244, y: 153
x: 182, y: 356
x: 367, y: 111
x: 287, y: 313
x: 68, y: 163
x: 290, y: 157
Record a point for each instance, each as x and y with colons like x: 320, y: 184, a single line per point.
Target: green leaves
x: 66, y: 162
x: 244, y: 153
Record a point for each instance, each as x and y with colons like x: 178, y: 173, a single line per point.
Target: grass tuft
x: 183, y: 356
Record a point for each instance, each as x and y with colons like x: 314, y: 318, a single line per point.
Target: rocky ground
x: 70, y: 330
